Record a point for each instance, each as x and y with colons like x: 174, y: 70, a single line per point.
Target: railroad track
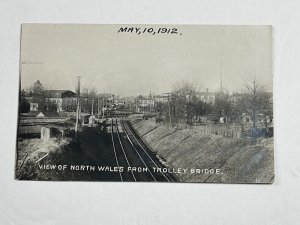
x: 120, y: 155
x: 130, y: 152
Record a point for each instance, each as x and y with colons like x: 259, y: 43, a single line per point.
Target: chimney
x: 206, y: 89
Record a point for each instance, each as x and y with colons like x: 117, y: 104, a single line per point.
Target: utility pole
x: 98, y: 101
x: 78, y: 109
x: 77, y: 113
x: 93, y: 112
x: 169, y: 110
x: 170, y: 120
x: 102, y: 109
x: 221, y: 77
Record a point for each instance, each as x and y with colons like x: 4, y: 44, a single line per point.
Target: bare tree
x: 87, y: 95
x: 254, y: 100
x: 37, y: 91
x: 222, y: 107
x: 183, y: 101
x: 185, y: 89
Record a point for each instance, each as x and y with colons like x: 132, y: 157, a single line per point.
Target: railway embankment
x: 235, y: 159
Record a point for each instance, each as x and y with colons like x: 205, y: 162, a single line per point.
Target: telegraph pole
x: 170, y: 120
x: 98, y: 101
x: 221, y: 77
x: 169, y: 110
x: 78, y: 109
x: 93, y: 112
x: 102, y: 109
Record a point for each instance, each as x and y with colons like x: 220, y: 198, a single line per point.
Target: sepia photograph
x: 145, y: 103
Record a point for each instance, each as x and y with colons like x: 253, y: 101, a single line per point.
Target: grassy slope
x: 30, y: 150
x: 241, y: 160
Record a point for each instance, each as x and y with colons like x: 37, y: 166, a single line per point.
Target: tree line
x: 90, y: 98
x: 38, y: 94
x: 185, y: 106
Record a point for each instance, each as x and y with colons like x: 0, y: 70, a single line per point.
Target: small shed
x: 223, y: 119
x: 85, y: 118
x: 92, y: 119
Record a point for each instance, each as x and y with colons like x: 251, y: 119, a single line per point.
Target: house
x: 207, y: 96
x: 145, y: 103
x: 160, y: 98
x: 33, y: 106
x: 261, y: 119
x: 64, y: 99
x: 235, y: 98
x: 117, y: 102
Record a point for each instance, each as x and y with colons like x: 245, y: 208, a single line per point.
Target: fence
x: 224, y: 130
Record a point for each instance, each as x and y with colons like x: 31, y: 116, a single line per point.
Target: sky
x: 128, y: 64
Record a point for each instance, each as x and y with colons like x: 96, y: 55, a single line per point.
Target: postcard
x: 145, y: 103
